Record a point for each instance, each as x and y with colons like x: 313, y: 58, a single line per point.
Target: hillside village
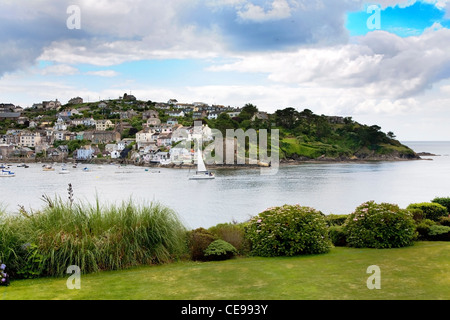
x: 121, y: 129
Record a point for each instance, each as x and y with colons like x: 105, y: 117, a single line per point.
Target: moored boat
x: 48, y: 168
x: 7, y: 173
x: 202, y: 173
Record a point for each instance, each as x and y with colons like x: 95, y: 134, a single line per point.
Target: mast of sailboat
x: 200, y: 163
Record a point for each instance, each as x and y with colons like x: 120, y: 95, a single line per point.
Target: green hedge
x: 338, y: 236
x: 336, y: 219
x: 432, y: 211
x: 445, y: 202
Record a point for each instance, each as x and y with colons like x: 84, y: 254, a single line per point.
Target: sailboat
x: 201, y: 173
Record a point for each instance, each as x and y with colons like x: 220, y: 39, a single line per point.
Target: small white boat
x: 64, y: 171
x: 165, y: 162
x: 48, y: 168
x: 7, y: 173
x: 202, y: 173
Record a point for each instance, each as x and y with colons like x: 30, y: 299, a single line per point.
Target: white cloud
x: 103, y: 73
x: 59, y: 70
x: 280, y: 9
x: 379, y: 65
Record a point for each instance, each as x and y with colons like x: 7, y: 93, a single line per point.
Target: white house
x: 30, y: 139
x: 234, y: 114
x: 178, y: 113
x: 60, y: 124
x: 144, y: 137
x: 103, y: 125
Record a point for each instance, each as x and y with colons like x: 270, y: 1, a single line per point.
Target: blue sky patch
x: 404, y: 22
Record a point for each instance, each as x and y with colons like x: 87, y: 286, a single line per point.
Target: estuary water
x: 238, y: 194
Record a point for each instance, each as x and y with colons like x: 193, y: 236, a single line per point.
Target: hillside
x: 307, y: 136
x: 303, y: 135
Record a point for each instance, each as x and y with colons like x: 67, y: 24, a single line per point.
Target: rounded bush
x: 432, y: 211
x: 382, y: 225
x: 220, y: 250
x: 287, y: 231
x: 198, y: 240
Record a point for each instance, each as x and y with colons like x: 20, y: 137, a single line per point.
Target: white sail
x: 200, y: 163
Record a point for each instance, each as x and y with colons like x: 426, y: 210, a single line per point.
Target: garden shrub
x: 220, y: 250
x: 337, y: 236
x: 379, y: 226
x: 287, y: 231
x: 443, y: 202
x: 417, y: 214
x: 439, y: 233
x: 232, y: 233
x: 423, y: 228
x: 432, y: 211
x: 336, y: 219
x: 445, y: 221
x: 198, y: 241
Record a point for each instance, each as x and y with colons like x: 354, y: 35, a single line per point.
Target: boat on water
x: 7, y: 173
x: 48, y: 168
x: 202, y: 173
x: 64, y: 170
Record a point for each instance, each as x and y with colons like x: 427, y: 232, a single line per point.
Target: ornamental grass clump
x: 379, y: 226
x: 288, y: 231
x: 92, y: 237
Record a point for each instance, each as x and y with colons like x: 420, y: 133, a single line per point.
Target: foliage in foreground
x: 380, y: 226
x: 94, y: 238
x: 288, y: 231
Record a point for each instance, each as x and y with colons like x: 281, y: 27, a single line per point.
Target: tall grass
x: 93, y: 237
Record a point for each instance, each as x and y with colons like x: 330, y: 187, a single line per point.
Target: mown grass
x: 419, y: 272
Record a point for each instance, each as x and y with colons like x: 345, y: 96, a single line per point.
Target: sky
x: 384, y: 63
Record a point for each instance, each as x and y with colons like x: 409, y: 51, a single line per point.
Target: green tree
x: 286, y: 118
x: 224, y: 122
x: 248, y: 111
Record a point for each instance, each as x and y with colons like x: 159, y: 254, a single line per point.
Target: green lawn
x: 418, y: 272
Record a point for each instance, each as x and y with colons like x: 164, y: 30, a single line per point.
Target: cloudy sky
x: 389, y: 66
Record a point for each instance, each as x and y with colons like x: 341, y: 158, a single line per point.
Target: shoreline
x: 283, y: 162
